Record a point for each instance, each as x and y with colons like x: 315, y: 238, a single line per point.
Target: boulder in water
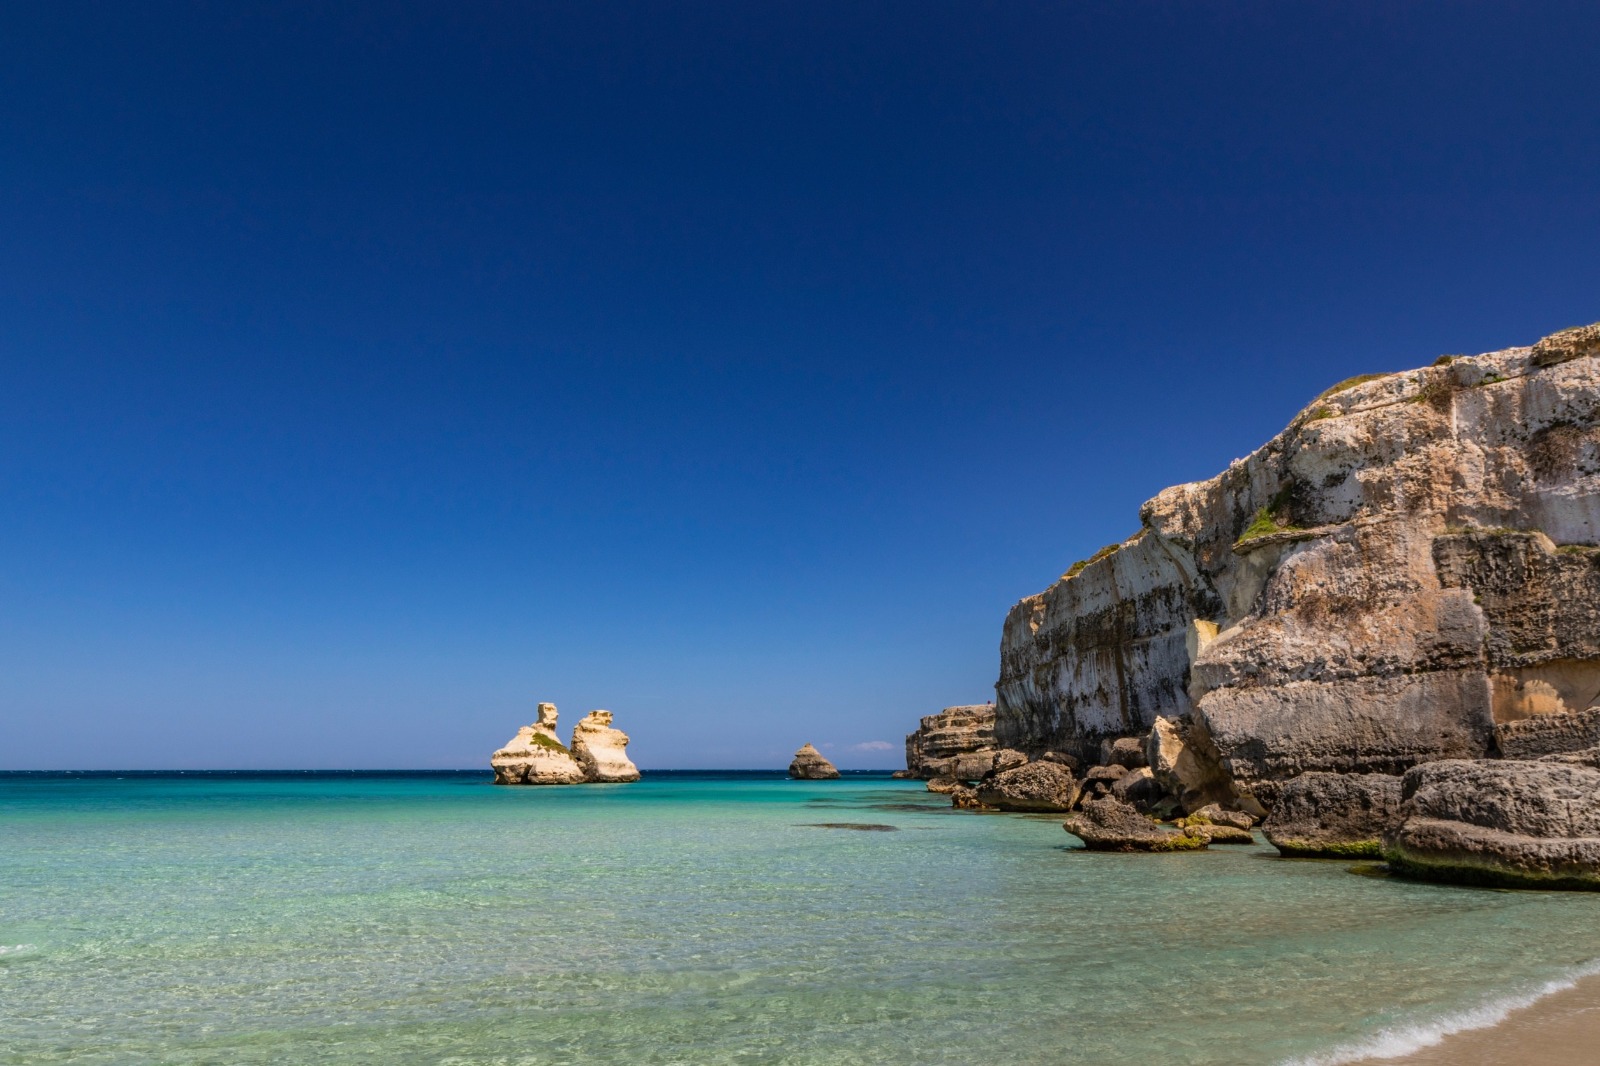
x: 1108, y: 824
x: 1500, y: 822
x: 1334, y: 816
x: 1034, y: 786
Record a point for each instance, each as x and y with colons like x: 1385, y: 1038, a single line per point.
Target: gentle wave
x: 1398, y: 1042
x: 16, y: 949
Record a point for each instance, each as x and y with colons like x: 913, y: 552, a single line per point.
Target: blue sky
x: 371, y: 371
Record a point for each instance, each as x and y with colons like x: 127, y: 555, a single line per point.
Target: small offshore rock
x: 1108, y: 824
x: 602, y: 750
x: 945, y: 785
x: 1334, y: 816
x: 1501, y: 822
x: 1034, y: 786
x: 810, y: 765
x: 903, y: 775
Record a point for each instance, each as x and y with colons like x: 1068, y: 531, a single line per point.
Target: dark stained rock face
x: 1034, y: 786
x: 1502, y: 822
x: 1334, y: 816
x: 1108, y: 824
x: 1139, y: 788
x: 809, y: 765
x: 1124, y: 751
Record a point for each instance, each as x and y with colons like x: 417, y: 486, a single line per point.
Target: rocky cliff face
x: 1408, y: 572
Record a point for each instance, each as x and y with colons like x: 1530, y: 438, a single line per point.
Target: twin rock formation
x: 536, y: 756
x: 1382, y: 626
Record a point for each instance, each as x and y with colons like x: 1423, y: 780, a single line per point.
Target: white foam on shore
x: 1399, y: 1042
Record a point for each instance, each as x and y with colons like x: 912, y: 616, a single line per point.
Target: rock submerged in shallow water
x: 965, y: 798
x: 1108, y: 824
x: 602, y: 750
x: 1499, y: 822
x: 810, y: 765
x: 1034, y: 786
x: 1334, y: 816
x: 1216, y: 815
x: 535, y: 756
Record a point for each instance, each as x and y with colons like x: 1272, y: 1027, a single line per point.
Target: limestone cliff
x: 1405, y: 573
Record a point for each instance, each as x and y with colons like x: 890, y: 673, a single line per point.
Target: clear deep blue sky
x: 368, y: 374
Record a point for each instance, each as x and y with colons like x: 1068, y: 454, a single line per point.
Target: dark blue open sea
x: 699, y: 918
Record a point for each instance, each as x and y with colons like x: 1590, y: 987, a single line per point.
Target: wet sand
x: 1562, y: 1029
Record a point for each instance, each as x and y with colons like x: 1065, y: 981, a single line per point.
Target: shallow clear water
x: 696, y: 919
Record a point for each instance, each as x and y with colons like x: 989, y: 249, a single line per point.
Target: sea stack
x: 601, y: 750
x: 809, y: 765
x: 535, y: 756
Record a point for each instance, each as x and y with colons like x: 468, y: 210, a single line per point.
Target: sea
x: 705, y: 919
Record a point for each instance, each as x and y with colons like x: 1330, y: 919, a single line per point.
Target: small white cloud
x: 872, y: 745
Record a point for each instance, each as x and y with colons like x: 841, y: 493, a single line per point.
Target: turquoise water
x: 696, y: 919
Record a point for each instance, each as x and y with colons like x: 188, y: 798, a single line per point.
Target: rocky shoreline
x: 1378, y: 635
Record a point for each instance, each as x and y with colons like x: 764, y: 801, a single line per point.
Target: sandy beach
x: 1562, y: 1029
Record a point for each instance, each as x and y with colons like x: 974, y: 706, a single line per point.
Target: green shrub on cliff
x: 1077, y: 568
x: 1264, y: 524
x: 1348, y: 383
